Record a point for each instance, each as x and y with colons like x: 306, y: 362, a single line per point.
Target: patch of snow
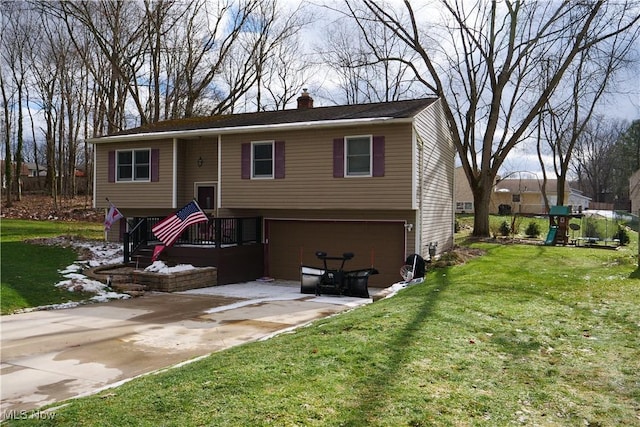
x: 396, y: 287
x: 162, y: 268
x: 101, y: 253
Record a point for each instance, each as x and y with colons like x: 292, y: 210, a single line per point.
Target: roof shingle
x: 394, y: 109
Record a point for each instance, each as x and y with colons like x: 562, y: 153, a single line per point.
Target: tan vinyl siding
x: 135, y: 194
x: 309, y: 181
x: 189, y: 151
x: 435, y: 154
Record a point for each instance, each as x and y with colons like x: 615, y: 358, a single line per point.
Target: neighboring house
x: 634, y: 192
x: 24, y: 172
x: 463, y: 195
x: 372, y: 179
x: 34, y: 170
x: 518, y: 195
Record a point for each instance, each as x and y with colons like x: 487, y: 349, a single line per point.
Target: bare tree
x: 286, y: 72
x: 366, y: 67
x: 569, y: 112
x: 6, y: 139
x: 46, y: 62
x: 271, y: 41
x: 16, y: 42
x: 483, y: 67
x: 595, y: 158
x: 116, y: 30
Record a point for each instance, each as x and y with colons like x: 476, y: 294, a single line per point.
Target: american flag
x: 169, y: 229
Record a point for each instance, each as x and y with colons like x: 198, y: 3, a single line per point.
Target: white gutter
x: 192, y: 133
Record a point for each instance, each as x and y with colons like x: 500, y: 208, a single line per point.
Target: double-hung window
x: 262, y: 159
x: 358, y: 158
x: 133, y: 165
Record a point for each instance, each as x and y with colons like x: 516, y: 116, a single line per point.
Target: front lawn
x: 523, y: 335
x: 28, y: 271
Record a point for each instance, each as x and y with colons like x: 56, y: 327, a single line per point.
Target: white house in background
x: 518, y: 195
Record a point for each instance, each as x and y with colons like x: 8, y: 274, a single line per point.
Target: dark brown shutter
x: 155, y: 164
x: 112, y: 166
x: 246, y: 160
x: 279, y: 159
x: 378, y: 156
x: 338, y: 158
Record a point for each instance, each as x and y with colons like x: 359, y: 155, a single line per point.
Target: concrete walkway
x: 49, y: 356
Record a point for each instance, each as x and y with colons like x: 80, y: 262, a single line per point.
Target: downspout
x: 219, y: 186
x: 95, y: 163
x: 418, y: 154
x: 174, y: 190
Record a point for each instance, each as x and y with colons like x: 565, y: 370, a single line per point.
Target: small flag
x: 113, y: 215
x: 169, y: 229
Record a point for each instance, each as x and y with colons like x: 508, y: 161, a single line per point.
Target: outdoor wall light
x: 200, y: 162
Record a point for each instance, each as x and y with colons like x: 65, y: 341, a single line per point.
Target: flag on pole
x: 156, y: 252
x: 113, y: 215
x: 169, y: 229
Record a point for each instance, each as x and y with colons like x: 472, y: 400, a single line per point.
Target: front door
x: 206, y: 197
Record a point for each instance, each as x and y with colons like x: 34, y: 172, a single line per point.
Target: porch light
x: 200, y: 162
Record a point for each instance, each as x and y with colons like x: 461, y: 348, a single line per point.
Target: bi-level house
x: 372, y: 179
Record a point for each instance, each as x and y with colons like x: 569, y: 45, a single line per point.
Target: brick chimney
x: 304, y: 100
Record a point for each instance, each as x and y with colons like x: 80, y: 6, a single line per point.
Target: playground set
x: 596, y: 230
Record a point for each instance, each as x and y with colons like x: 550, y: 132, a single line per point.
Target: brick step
x: 133, y: 289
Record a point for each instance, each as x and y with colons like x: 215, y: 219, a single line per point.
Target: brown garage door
x: 290, y: 242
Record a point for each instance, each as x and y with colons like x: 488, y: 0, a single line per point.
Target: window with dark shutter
x: 134, y: 165
x: 359, y: 156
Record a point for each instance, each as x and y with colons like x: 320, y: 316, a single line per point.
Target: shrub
x: 505, y: 229
x: 533, y: 229
x: 622, y: 235
x: 591, y: 228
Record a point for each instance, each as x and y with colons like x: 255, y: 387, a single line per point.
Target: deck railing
x: 217, y: 232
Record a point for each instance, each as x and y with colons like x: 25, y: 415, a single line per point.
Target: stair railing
x: 134, y: 239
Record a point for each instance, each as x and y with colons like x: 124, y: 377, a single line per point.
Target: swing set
x: 597, y: 229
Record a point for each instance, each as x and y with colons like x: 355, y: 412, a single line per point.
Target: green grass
x: 524, y: 335
x: 18, y: 230
x: 28, y: 272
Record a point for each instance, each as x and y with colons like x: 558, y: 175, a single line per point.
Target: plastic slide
x: 551, y: 236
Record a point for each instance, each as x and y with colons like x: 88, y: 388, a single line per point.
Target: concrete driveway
x: 49, y: 356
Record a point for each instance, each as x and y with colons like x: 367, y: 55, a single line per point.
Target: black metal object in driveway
x: 335, y: 281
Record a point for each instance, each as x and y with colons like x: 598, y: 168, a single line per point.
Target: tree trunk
x: 482, y: 189
x: 561, y: 184
x: 7, y: 142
